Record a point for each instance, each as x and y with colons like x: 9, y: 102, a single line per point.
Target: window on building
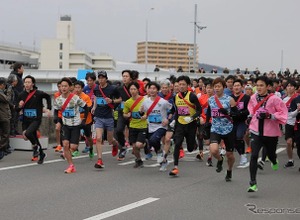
x: 60, y: 55
x: 60, y: 65
x: 60, y: 46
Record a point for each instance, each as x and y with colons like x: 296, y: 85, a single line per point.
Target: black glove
x: 223, y: 111
x: 264, y: 115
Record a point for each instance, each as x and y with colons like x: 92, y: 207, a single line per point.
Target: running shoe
x: 86, y: 150
x: 181, y: 153
x: 99, y: 164
x: 58, y: 148
x: 253, y: 188
x: 127, y: 144
x: 122, y: 154
x: 174, y: 172
x: 42, y: 158
x: 34, y: 158
x: 75, y: 153
x: 160, y: 157
x: 35, y: 153
x: 275, y: 166
x: 163, y: 166
x: 220, y: 165
x: 138, y: 163
x: 260, y: 165
x: 248, y: 150
x: 289, y: 164
x: 209, y: 162
x: 148, y: 156
x: 70, y: 169
x: 243, y: 161
x: 91, y: 155
x: 114, y: 150
x: 200, y: 156
x: 228, y: 176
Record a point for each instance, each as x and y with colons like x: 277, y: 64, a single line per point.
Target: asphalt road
x: 30, y: 191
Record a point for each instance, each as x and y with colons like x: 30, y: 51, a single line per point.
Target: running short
x: 105, y: 123
x: 228, y: 140
x: 137, y: 135
x: 289, y: 131
x: 70, y: 133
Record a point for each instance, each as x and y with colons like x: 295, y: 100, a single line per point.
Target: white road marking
x: 122, y: 209
x: 46, y: 162
x: 108, y: 152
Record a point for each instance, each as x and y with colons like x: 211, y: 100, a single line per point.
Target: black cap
x: 102, y: 73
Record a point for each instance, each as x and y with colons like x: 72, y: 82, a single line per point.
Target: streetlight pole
x: 146, y: 44
x: 199, y: 28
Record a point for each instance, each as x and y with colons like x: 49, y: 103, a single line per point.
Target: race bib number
x: 69, y: 113
x: 30, y: 113
x: 215, y: 113
x: 183, y: 111
x: 240, y: 105
x: 135, y: 115
x: 155, y: 118
x: 101, y: 101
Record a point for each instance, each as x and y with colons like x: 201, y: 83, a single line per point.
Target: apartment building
x: 167, y: 55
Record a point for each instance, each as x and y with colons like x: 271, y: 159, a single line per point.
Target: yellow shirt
x: 184, y: 110
x: 135, y: 120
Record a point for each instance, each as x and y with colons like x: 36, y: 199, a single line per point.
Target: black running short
x: 137, y: 135
x: 70, y: 133
x: 228, y: 140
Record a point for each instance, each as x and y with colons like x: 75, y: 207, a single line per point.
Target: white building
x: 60, y: 53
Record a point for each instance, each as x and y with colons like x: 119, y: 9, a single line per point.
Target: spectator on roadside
x: 18, y: 70
x: 179, y: 70
x: 13, y: 94
x: 5, y: 115
x: 226, y: 70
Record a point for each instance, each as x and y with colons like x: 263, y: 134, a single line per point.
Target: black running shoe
x: 209, y: 162
x: 42, y: 158
x: 138, y: 164
x: 228, y: 176
x: 220, y: 165
x: 122, y: 154
x: 289, y: 164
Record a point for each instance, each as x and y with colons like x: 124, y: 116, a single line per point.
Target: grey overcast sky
x: 240, y: 33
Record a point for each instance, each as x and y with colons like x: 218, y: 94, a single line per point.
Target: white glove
x: 172, y: 124
x: 188, y: 119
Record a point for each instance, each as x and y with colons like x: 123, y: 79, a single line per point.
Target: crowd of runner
x: 229, y: 114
